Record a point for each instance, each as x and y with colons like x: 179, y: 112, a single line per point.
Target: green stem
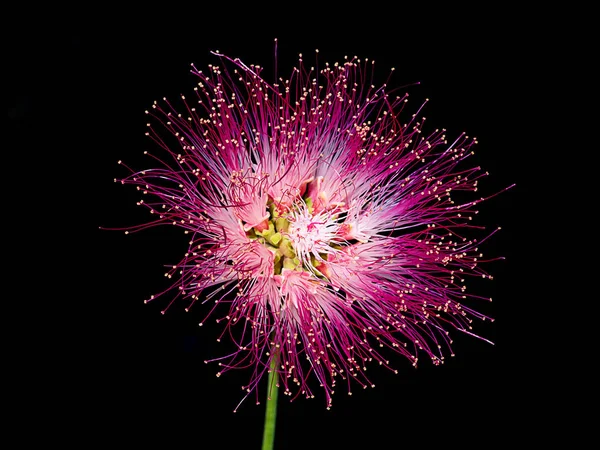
x: 271, y: 412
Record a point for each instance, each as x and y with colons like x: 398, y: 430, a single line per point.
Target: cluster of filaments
x: 323, y: 225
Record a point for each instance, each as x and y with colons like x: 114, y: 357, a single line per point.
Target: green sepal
x: 291, y: 263
x: 282, y: 224
x: 309, y: 204
x: 286, y: 248
x: 274, y: 239
x: 268, y: 232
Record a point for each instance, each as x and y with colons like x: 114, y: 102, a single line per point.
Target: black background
x: 140, y: 377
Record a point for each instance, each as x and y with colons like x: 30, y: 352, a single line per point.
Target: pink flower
x: 319, y: 219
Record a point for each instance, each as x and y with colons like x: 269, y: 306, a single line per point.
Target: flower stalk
x: 271, y: 410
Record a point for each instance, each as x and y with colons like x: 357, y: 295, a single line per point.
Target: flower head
x: 322, y: 222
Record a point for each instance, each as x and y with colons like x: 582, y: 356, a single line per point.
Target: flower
x: 323, y: 224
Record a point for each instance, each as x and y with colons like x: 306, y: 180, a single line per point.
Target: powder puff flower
x: 321, y: 219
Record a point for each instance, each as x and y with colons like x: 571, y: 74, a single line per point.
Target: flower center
x: 299, y: 239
